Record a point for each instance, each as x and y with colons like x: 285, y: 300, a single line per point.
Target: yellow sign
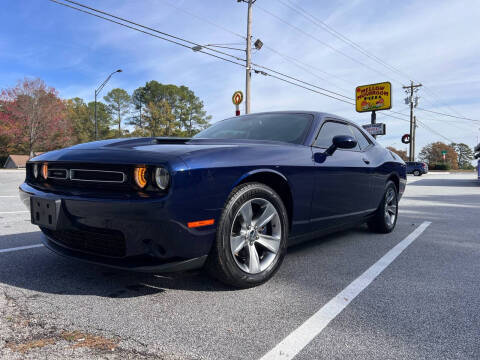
x: 373, y: 97
x: 237, y: 97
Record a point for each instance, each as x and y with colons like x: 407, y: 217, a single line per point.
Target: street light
x: 97, y: 91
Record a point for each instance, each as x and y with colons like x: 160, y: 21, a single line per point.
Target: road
x: 423, y: 303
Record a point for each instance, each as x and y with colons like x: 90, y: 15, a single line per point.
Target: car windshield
x: 285, y: 127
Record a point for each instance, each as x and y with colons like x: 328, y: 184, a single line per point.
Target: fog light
x: 162, y: 178
x: 139, y: 175
x: 45, y: 171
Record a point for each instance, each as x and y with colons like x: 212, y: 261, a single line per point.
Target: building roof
x: 18, y: 160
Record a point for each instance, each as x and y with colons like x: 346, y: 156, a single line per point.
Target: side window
x: 328, y: 131
x: 362, y: 141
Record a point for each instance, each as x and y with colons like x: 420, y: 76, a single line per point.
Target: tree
x: 465, y: 155
x: 33, y: 117
x: 432, y: 154
x: 188, y: 109
x: 190, y: 112
x: 160, y: 120
x: 401, y: 153
x: 119, y: 103
x: 82, y: 118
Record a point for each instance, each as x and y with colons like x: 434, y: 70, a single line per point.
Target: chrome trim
x: 56, y: 177
x: 124, y: 177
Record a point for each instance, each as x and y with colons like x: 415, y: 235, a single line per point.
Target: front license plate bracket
x: 44, y: 212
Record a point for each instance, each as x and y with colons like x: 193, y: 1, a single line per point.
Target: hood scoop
x: 130, y: 143
x: 171, y: 140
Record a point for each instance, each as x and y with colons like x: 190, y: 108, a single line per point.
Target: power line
x: 301, y: 81
x: 220, y: 57
x: 142, y: 26
x: 286, y: 57
x: 439, y: 113
x: 434, y: 131
x: 304, y: 87
x: 147, y: 33
x: 324, y: 43
x: 297, y: 8
x: 193, y: 43
x: 205, y: 20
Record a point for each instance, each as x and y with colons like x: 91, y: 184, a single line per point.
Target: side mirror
x: 341, y: 142
x: 338, y: 142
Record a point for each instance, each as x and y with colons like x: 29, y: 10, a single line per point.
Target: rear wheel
x: 417, y: 173
x: 251, y: 237
x: 385, y: 217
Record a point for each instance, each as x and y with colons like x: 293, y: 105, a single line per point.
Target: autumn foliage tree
x: 432, y: 154
x: 33, y: 117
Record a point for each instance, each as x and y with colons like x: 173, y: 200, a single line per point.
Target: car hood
x: 154, y: 150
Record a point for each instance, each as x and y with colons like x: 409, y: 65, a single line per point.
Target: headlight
x: 139, y: 175
x: 35, y: 171
x: 162, y: 178
x: 45, y: 171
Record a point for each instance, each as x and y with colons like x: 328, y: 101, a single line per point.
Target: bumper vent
x: 109, y: 243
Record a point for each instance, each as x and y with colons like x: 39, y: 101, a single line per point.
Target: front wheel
x: 251, y: 237
x: 385, y: 218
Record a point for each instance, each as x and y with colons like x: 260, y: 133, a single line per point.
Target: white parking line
x: 289, y: 347
x: 20, y: 248
x: 14, y: 212
x: 8, y: 196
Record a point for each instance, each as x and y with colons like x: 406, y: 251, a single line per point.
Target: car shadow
x: 42, y: 271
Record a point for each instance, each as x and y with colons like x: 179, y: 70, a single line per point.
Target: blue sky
x: 434, y: 42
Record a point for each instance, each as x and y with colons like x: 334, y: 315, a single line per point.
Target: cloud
x: 433, y: 42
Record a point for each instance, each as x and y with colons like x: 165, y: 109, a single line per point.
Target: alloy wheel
x: 255, y: 236
x: 390, y: 206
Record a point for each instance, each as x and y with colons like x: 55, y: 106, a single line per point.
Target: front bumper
x: 140, y: 264
x: 145, y: 235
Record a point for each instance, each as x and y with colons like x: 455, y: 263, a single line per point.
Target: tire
x: 232, y: 259
x: 417, y: 173
x: 385, y: 218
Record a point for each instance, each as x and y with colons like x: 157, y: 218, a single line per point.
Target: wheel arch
x: 395, y: 179
x: 277, y: 181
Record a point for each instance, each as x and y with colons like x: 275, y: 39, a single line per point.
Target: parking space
x: 421, y: 303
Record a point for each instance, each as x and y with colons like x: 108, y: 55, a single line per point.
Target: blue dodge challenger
x: 232, y: 198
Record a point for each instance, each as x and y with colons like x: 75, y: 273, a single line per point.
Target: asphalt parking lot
x: 411, y: 294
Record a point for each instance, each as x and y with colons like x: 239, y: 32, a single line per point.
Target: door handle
x: 366, y: 161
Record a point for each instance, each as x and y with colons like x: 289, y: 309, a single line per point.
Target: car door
x: 368, y: 176
x: 341, y: 181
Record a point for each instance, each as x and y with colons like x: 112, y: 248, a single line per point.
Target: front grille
x: 97, y: 175
x: 100, y: 242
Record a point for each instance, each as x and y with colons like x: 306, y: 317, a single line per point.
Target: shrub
x: 439, y: 166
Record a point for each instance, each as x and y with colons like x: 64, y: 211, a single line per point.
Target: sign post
x: 373, y: 97
x: 237, y: 99
x: 444, y: 153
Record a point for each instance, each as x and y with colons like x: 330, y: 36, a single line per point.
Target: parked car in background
x: 231, y: 198
x: 416, y: 168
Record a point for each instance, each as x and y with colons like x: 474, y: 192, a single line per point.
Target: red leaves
x: 32, y: 118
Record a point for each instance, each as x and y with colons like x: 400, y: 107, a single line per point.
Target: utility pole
x: 410, y: 90
x: 248, y: 69
x: 412, y: 143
